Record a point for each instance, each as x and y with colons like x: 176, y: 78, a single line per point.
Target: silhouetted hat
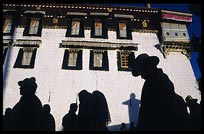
x: 30, y: 82
x: 143, y: 60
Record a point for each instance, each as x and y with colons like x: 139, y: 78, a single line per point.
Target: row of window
x: 73, y: 59
x: 75, y: 28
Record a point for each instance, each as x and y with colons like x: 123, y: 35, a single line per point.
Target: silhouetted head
x: 143, y: 65
x: 189, y: 100
x: 73, y: 107
x: 46, y: 108
x: 28, y: 86
x: 83, y: 94
x: 132, y: 95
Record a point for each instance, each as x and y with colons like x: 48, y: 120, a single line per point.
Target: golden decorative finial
x: 110, y: 9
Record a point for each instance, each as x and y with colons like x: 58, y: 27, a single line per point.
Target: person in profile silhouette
x: 27, y: 111
x: 70, y: 120
x: 48, y: 119
x: 161, y: 108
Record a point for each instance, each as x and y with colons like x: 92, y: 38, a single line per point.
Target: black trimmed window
x: 75, y: 27
x: 99, y: 28
x: 33, y: 27
x: 8, y: 25
x: 5, y: 49
x: 125, y: 59
x: 26, y: 57
x: 123, y: 30
x: 72, y: 59
x: 98, y: 60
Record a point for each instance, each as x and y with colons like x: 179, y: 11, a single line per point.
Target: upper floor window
x: 33, y: 27
x: 75, y: 27
x: 26, y: 57
x: 99, y: 29
x: 72, y: 59
x: 124, y: 60
x: 123, y: 30
x: 8, y: 26
x: 99, y: 60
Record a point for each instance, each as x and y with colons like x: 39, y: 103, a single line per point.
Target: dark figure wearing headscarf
x: 70, y: 120
x: 159, y: 103
x: 102, y: 115
x: 86, y: 111
x: 47, y: 119
x: 28, y: 110
x: 195, y: 113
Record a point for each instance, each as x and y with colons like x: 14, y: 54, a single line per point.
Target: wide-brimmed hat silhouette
x: 143, y: 60
x: 28, y: 82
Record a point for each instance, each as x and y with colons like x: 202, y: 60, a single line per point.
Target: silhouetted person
x: 70, y: 120
x: 28, y: 110
x: 101, y: 111
x: 132, y: 127
x: 123, y: 127
x: 8, y: 120
x: 160, y: 106
x: 48, y: 120
x: 195, y: 113
x: 86, y: 111
x: 133, y: 108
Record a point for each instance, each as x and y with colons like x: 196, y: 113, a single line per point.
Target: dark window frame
x: 128, y: 29
x: 105, y: 62
x: 104, y: 27
x: 69, y: 27
x: 65, y: 64
x: 18, y: 62
x: 131, y: 57
x: 29, y: 18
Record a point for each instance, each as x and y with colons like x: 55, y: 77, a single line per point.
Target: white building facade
x: 64, y: 63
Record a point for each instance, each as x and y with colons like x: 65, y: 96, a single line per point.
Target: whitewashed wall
x: 65, y: 84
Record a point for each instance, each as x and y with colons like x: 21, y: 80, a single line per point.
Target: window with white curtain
x: 75, y: 27
x: 7, y: 25
x: 34, y: 25
x: 98, y: 28
x: 123, y: 29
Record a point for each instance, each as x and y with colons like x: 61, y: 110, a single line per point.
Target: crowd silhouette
x: 161, y: 109
x: 28, y: 114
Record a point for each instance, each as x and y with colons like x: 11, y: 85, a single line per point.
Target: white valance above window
x: 33, y: 12
x: 28, y: 43
x: 77, y: 13
x: 123, y: 16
